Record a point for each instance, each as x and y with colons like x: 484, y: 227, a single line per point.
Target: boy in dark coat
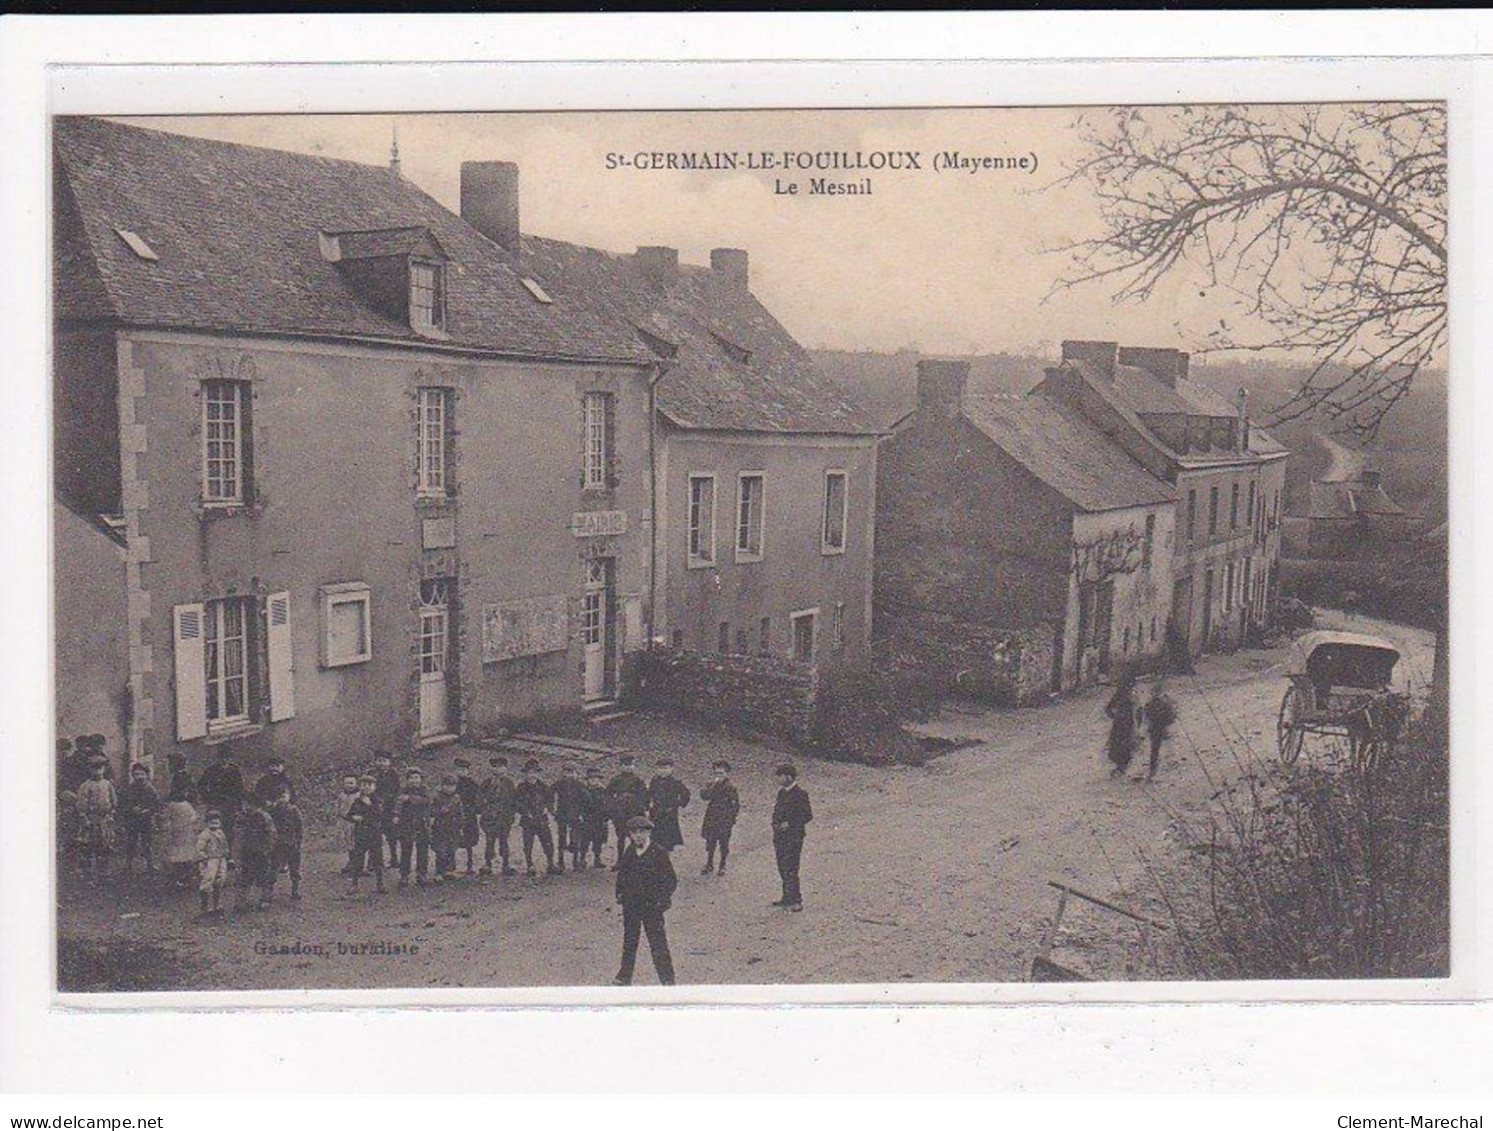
x: 222, y: 788
x: 386, y: 795
x: 448, y: 821
x: 257, y: 841
x: 666, y: 796
x: 412, y: 822
x: 593, y: 817
x: 645, y: 889
x: 570, y: 799
x: 368, y: 836
x: 722, y: 804
x: 272, y: 783
x: 627, y: 797
x: 498, y: 811
x: 533, y: 798
x: 289, y: 832
x: 138, y: 805
x: 791, y: 814
x: 471, y: 807
x: 1160, y: 713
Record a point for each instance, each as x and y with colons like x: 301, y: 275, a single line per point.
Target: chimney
x: 941, y: 384
x: 1241, y: 399
x: 1101, y: 355
x: 732, y: 264
x: 661, y: 264
x: 1167, y: 365
x: 489, y: 200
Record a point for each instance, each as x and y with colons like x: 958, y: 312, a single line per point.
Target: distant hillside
x: 1410, y: 449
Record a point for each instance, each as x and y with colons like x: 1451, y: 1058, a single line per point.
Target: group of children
x: 394, y: 820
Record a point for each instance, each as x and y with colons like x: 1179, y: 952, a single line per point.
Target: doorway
x: 1207, y: 606
x: 1104, y: 611
x: 596, y: 629
x: 435, y: 657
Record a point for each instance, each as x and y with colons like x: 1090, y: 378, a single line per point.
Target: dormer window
x: 427, y: 295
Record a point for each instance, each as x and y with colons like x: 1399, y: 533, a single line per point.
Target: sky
x: 944, y: 262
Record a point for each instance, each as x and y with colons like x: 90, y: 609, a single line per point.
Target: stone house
x: 1020, y: 551
x: 374, y: 486
x: 1350, y: 517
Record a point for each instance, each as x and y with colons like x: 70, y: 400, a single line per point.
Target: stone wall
x: 1008, y: 666
x: 772, y: 694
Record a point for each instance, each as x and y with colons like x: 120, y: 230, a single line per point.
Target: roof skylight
x: 537, y: 291
x: 137, y: 245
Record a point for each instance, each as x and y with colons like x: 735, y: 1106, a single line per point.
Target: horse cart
x: 1340, y: 686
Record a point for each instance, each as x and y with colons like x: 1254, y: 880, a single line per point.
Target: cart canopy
x: 1347, y: 659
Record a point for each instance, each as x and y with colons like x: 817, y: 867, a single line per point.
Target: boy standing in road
x: 534, y: 798
x: 368, y: 847
x: 447, y: 827
x: 1160, y: 713
x: 645, y: 889
x: 412, y: 822
x: 593, y: 818
x: 722, y: 804
x: 498, y: 811
x: 627, y: 797
x: 791, y: 814
x: 139, y: 804
x: 471, y: 806
x: 386, y: 796
x: 666, y: 796
x: 570, y: 799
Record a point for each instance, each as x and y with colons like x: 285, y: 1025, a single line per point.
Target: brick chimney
x: 661, y: 264
x: 941, y: 383
x: 489, y: 200
x: 1166, y: 365
x: 732, y: 263
x: 1101, y: 355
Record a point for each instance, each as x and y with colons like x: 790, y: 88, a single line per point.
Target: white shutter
x: 191, y: 677
x: 282, y: 662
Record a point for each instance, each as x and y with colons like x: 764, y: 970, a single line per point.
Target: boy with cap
x: 722, y: 804
x: 498, y: 811
x: 533, y: 798
x: 290, y: 831
x: 666, y: 796
x: 212, y: 863
x: 447, y: 827
x: 386, y: 793
x: 645, y: 889
x: 412, y: 822
x: 257, y: 841
x: 139, y: 804
x: 272, y: 783
x: 222, y: 788
x: 570, y: 800
x: 627, y: 797
x: 368, y: 847
x: 593, y: 817
x: 791, y: 814
x: 471, y: 806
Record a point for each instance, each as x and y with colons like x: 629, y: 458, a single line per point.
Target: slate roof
x: 733, y: 367
x: 237, y: 230
x: 1065, y: 451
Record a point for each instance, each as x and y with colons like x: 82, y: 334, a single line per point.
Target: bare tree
x: 1325, y: 223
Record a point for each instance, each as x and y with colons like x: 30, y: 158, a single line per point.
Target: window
x: 226, y: 660
x: 435, y: 625
x: 1212, y: 510
x: 234, y: 664
x: 1192, y: 515
x: 224, y: 442
x: 834, y: 512
x: 1234, y: 506
x: 749, y: 492
x: 839, y: 627
x: 1228, y: 587
x: 597, y: 470
x: 764, y: 636
x: 346, y: 636
x: 723, y: 637
x: 1150, y: 542
x: 1249, y: 510
x: 741, y: 641
x: 427, y: 295
x: 803, y: 635
x: 1153, y: 630
x: 1125, y: 637
x: 701, y: 520
x: 433, y: 442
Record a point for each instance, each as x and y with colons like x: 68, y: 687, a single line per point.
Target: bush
x: 860, y: 718
x: 1293, y: 615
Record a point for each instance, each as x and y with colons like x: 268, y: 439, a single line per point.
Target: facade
x: 375, y: 486
x: 1228, y: 476
x: 766, y: 471
x: 1009, y: 524
x: 1350, y: 518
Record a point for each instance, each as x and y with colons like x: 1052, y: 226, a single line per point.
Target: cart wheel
x: 1288, y: 733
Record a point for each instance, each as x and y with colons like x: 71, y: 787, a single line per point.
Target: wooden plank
x: 1096, y: 901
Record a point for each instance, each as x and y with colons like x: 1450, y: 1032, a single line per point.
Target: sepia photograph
x: 769, y: 547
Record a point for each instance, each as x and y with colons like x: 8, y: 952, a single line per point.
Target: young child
x: 139, y: 804
x: 627, y: 797
x: 289, y: 832
x: 722, y: 804
x: 386, y: 793
x: 570, y: 795
x: 498, y: 811
x: 593, y: 817
x: 412, y: 820
x: 471, y: 805
x: 533, y: 799
x: 257, y: 841
x: 666, y: 796
x: 368, y: 846
x: 272, y: 783
x: 183, y: 825
x: 212, y: 864
x: 447, y: 827
x: 345, y: 829
x: 97, y: 805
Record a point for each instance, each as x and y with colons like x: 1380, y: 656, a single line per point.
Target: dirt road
x: 921, y: 874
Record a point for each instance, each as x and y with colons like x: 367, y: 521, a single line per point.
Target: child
x: 345, y: 830
x: 257, y: 841
x: 722, y: 804
x: 212, y: 864
x: 666, y: 796
x: 97, y: 805
x: 533, y: 799
x: 183, y: 826
x: 627, y: 797
x: 1160, y: 713
x: 447, y: 827
x: 139, y: 805
x: 569, y: 798
x: 386, y: 793
x: 412, y: 820
x: 471, y: 805
x: 368, y: 846
x: 498, y: 812
x: 289, y: 832
x: 272, y: 783
x: 593, y: 817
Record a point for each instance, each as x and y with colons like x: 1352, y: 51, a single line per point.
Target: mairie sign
x: 598, y: 524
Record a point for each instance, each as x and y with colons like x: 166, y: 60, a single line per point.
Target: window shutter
x: 281, y: 658
x: 191, y: 675
x: 614, y: 465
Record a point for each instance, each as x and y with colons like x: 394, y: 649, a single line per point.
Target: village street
x: 922, y: 874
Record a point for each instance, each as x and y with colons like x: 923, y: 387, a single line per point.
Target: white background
x: 1199, y: 1047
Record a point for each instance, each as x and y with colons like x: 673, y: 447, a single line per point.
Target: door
x: 435, y: 652
x: 803, y: 637
x: 1104, y: 610
x: 595, y: 626
x: 1181, y: 616
x: 1207, y: 606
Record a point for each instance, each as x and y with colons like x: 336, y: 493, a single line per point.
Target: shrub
x: 860, y: 718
